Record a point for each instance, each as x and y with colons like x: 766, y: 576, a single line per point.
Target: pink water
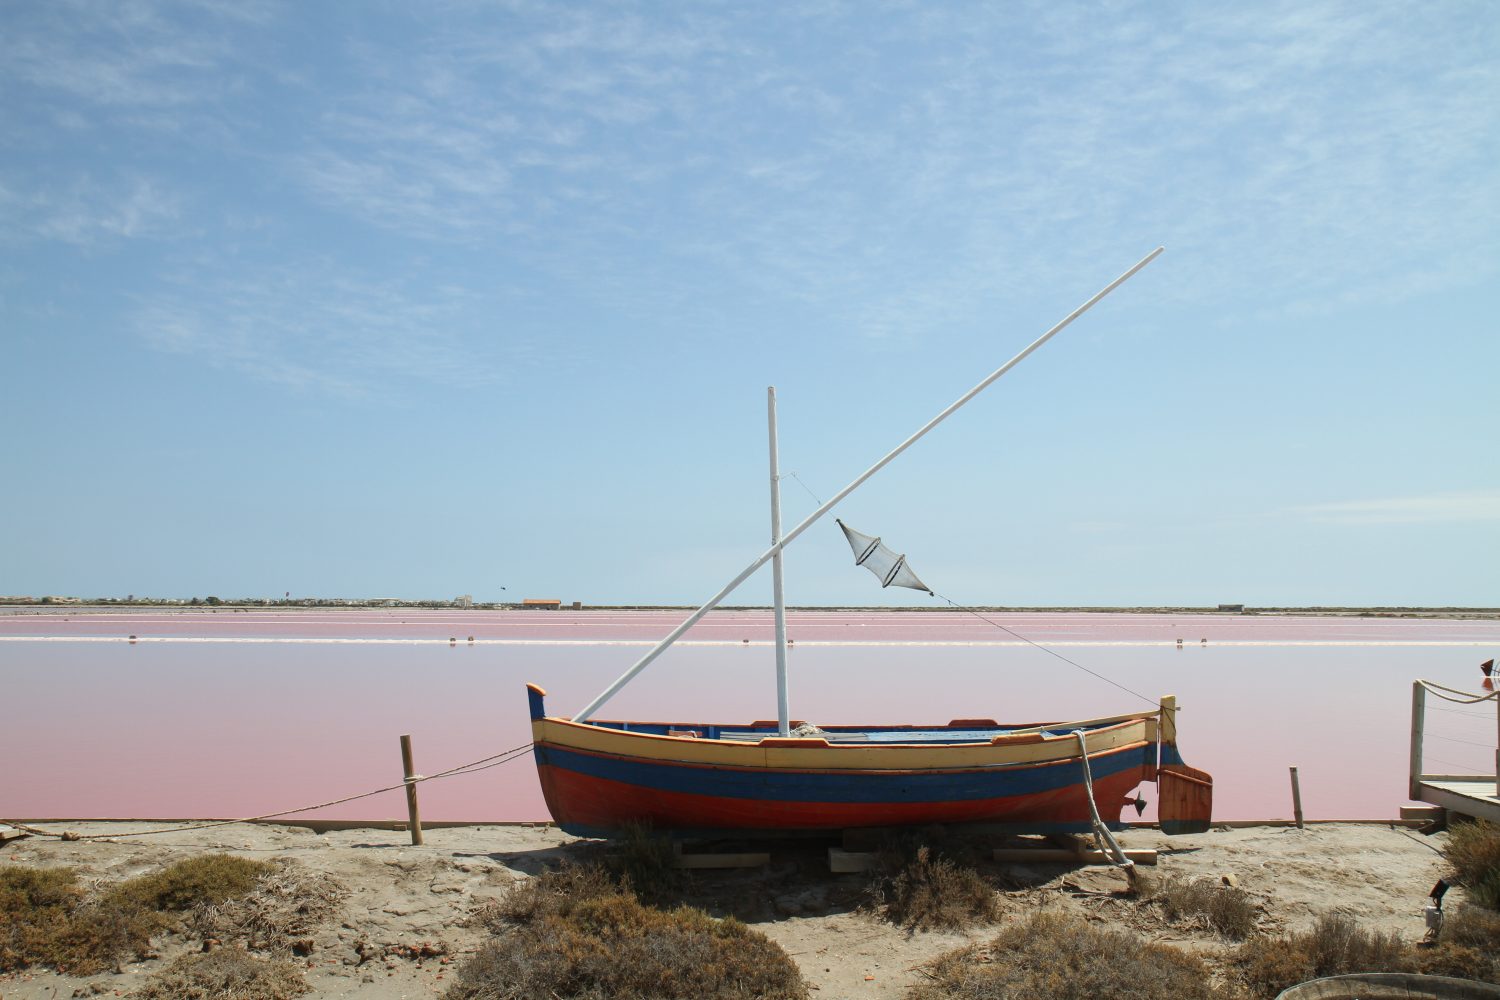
x: 241, y: 713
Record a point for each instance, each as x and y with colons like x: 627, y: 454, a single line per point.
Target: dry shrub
x: 1335, y: 946
x: 1228, y: 910
x: 224, y: 974
x: 206, y: 879
x: 552, y: 893
x: 926, y: 892
x: 647, y: 860
x: 288, y: 902
x: 48, y: 919
x: 1473, y: 927
x: 577, y: 932
x: 1474, y: 852
x: 1063, y: 958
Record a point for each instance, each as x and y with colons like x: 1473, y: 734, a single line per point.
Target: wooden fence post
x: 1418, y: 721
x: 1296, y: 799
x: 411, y: 790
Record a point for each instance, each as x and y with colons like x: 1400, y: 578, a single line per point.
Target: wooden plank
x: 746, y: 860
x: 9, y: 833
x: 1055, y: 855
x: 841, y: 861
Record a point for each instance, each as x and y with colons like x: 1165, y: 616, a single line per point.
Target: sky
x: 393, y: 300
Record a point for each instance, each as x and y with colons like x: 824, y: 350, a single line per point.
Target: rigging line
x: 469, y: 768
x: 1454, y: 739
x: 800, y: 483
x: 1453, y: 763
x: 1052, y: 652
x: 1489, y: 716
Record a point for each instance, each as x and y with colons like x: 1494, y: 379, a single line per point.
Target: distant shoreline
x: 66, y: 605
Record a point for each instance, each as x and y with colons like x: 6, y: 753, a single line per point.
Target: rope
x: 1051, y: 652
x: 1102, y: 837
x: 1462, y: 697
x: 482, y: 764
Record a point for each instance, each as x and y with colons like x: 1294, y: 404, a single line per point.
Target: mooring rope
x: 1456, y: 696
x: 482, y: 764
x: 1052, y: 652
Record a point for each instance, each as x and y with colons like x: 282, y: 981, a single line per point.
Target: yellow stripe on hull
x: 836, y: 756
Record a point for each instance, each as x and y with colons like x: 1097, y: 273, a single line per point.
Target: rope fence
x: 472, y: 767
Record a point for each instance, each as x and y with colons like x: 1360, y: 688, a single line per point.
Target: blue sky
x: 394, y: 300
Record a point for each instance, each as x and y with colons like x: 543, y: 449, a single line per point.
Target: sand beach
x: 399, y: 925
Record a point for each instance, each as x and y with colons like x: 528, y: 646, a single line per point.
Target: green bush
x: 1060, y: 957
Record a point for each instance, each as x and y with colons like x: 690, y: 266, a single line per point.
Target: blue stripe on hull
x: 845, y: 785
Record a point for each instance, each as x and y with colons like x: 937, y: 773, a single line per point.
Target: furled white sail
x: 889, y: 566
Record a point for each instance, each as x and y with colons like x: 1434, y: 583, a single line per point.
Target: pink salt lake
x: 230, y: 714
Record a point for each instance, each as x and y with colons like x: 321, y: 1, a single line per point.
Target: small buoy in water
x: 745, y: 641
x: 1204, y: 641
x: 452, y: 641
x: 132, y: 640
x: 471, y: 639
x: 1179, y: 643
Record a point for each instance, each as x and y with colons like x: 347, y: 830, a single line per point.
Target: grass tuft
x: 1335, y: 946
x: 646, y: 860
x: 921, y: 890
x: 1228, y: 910
x: 1474, y: 852
x: 206, y: 879
x: 286, y: 905
x: 222, y: 974
x: 1063, y: 958
x: 48, y: 919
x: 580, y: 932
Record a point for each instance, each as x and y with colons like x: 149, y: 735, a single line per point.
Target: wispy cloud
x: 1437, y: 508
x: 317, y: 327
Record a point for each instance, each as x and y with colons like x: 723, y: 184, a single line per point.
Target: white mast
x: 783, y: 724
x: 776, y: 548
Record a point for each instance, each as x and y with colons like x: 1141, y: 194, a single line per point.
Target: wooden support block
x: 841, y: 862
x: 9, y: 833
x: 747, y: 860
x: 1051, y: 855
x: 1431, y: 813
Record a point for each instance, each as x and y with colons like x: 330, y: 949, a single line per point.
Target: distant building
x: 577, y: 605
x: 464, y: 601
x: 550, y: 603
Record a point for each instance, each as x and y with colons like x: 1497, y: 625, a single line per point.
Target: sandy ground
x: 405, y: 901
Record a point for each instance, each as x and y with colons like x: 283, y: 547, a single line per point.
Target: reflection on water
x: 223, y: 729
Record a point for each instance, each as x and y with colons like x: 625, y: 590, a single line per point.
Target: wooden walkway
x: 1468, y: 796
x: 1472, y: 795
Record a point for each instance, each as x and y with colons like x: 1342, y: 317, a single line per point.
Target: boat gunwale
x: 849, y: 757
x: 1009, y: 765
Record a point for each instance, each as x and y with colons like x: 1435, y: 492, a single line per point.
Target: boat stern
x: 1184, y: 795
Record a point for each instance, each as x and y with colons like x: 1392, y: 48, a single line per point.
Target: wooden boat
x: 764, y: 777
x: 700, y: 778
